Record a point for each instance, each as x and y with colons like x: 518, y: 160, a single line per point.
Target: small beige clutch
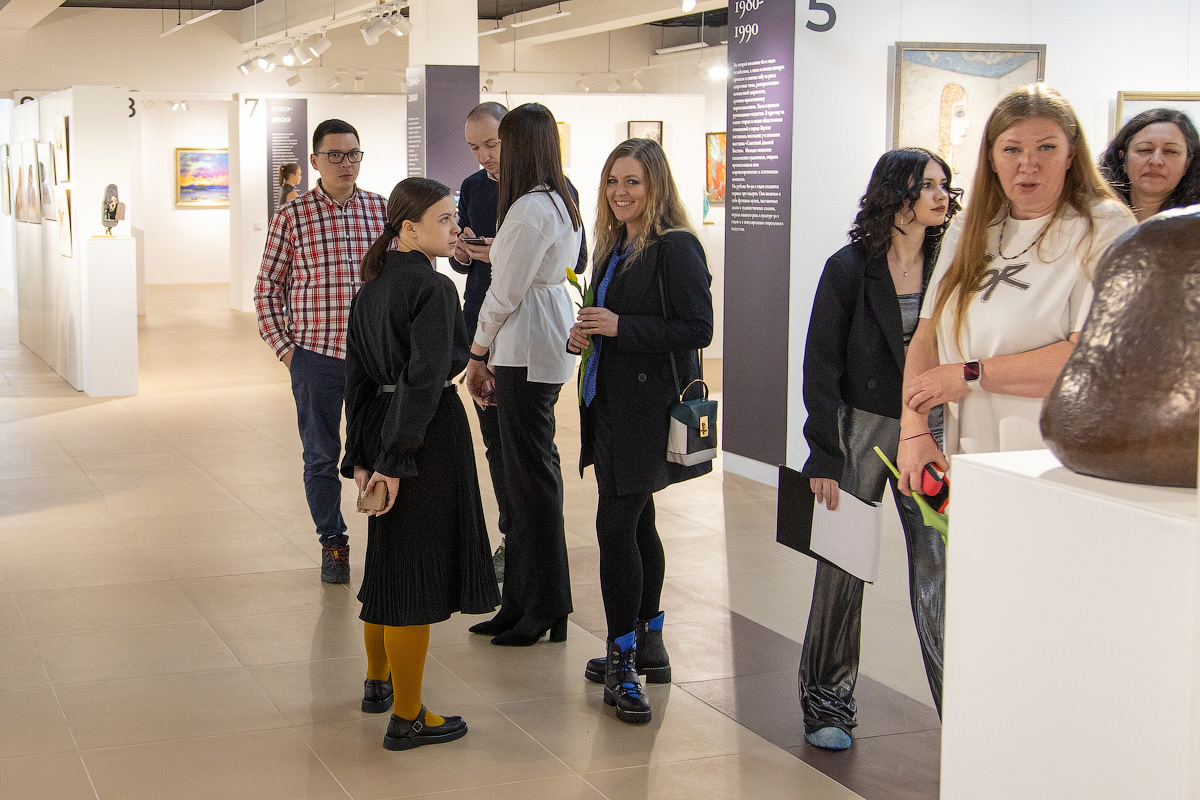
x: 374, y: 500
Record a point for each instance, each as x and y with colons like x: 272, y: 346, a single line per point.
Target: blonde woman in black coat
x: 652, y: 301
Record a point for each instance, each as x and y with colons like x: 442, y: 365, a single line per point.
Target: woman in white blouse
x: 519, y: 362
x: 1012, y: 286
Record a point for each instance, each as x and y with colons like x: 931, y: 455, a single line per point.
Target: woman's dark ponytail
x: 409, y: 201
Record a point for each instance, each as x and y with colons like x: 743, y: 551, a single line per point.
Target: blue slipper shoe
x: 829, y: 738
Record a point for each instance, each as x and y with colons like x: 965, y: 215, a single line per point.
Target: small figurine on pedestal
x: 112, y: 210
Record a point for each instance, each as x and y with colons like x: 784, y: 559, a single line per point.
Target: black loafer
x: 377, y: 696
x: 404, y: 734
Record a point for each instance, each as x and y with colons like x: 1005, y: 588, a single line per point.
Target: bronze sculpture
x: 1127, y: 404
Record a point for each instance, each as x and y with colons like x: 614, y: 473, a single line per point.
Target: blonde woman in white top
x: 1012, y: 286
x: 519, y: 362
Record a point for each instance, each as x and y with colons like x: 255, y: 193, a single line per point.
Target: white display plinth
x: 110, y: 345
x: 1069, y: 634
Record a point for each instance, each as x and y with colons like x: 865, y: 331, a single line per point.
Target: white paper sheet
x: 850, y: 536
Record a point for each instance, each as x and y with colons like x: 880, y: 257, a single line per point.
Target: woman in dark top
x: 864, y: 313
x: 289, y: 179
x: 646, y: 259
x: 427, y: 550
x: 1151, y: 162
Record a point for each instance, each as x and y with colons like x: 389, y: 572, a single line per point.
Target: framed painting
x: 5, y: 184
x: 63, y: 207
x: 201, y: 178
x: 645, y: 129
x: 943, y: 93
x: 564, y: 143
x: 62, y: 150
x: 45, y: 171
x: 714, y: 168
x: 1130, y: 104
x: 27, y: 200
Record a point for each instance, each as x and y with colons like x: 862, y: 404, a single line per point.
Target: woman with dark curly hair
x: 863, y: 317
x: 1151, y: 162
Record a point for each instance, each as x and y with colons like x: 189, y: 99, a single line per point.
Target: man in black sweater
x: 477, y: 207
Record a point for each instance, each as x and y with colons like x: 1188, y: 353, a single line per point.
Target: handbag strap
x: 662, y: 298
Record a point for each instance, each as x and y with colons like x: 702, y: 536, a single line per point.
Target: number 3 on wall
x: 821, y: 27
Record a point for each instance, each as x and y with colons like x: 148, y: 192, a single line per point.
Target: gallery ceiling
x: 488, y: 9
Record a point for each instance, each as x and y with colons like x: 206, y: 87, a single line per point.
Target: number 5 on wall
x: 821, y: 27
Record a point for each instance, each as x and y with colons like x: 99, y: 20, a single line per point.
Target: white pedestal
x: 1069, y: 634
x: 109, y: 289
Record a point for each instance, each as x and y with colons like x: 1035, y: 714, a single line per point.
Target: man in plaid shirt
x: 314, y: 248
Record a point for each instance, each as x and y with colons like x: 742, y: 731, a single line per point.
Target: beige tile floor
x: 164, y: 633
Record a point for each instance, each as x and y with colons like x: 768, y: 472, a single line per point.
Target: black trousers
x: 829, y: 662
x: 489, y: 428
x: 537, y: 579
x: 632, y: 562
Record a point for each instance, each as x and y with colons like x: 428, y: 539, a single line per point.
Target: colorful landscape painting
x: 201, y: 178
x: 714, y: 180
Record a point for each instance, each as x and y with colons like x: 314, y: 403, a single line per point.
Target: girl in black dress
x: 427, y: 550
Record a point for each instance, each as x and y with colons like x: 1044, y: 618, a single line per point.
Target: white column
x: 444, y: 32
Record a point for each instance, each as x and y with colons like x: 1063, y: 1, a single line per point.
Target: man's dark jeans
x: 319, y: 386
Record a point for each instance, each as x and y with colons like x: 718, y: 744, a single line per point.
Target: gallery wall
x: 7, y: 275
x: 842, y: 106
x: 177, y: 245
x: 54, y: 289
x: 381, y: 122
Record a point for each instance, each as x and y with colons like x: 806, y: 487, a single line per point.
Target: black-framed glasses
x: 336, y: 156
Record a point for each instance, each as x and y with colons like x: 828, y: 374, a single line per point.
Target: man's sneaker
x: 335, y: 564
x: 498, y: 563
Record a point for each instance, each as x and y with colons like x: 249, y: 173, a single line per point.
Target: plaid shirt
x: 314, y: 248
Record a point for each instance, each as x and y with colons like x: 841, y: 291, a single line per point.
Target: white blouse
x: 1024, y: 303
x: 527, y: 314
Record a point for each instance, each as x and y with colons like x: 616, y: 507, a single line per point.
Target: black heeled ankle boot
x: 496, y: 625
x: 529, y: 630
x: 621, y: 687
x: 652, y: 660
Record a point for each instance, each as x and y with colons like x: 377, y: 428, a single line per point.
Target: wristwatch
x: 972, y: 371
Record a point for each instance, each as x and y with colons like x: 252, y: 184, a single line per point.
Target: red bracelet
x: 919, y: 435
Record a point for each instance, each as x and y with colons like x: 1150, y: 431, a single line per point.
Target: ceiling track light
x: 173, y: 29
x: 174, y: 106
x: 319, y: 47
x: 335, y: 81
x: 147, y: 104
x: 204, y: 16
x: 718, y: 72
x: 580, y: 86
x: 498, y: 29
x: 300, y: 53
x: 679, y: 48
x: 372, y: 30
x: 358, y: 81
x: 184, y: 105
x: 400, y: 24
x: 248, y: 66
x: 615, y: 86
x: 294, y: 79
x: 688, y: 5
x: 559, y: 15
x: 636, y: 84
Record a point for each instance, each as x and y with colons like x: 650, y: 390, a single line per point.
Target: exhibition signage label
x: 287, y: 143
x: 435, y: 129
x: 762, y: 36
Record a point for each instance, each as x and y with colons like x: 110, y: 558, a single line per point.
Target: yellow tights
x: 400, y: 652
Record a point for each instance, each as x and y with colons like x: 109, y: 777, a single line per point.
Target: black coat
x: 854, y: 355
x: 635, y: 369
